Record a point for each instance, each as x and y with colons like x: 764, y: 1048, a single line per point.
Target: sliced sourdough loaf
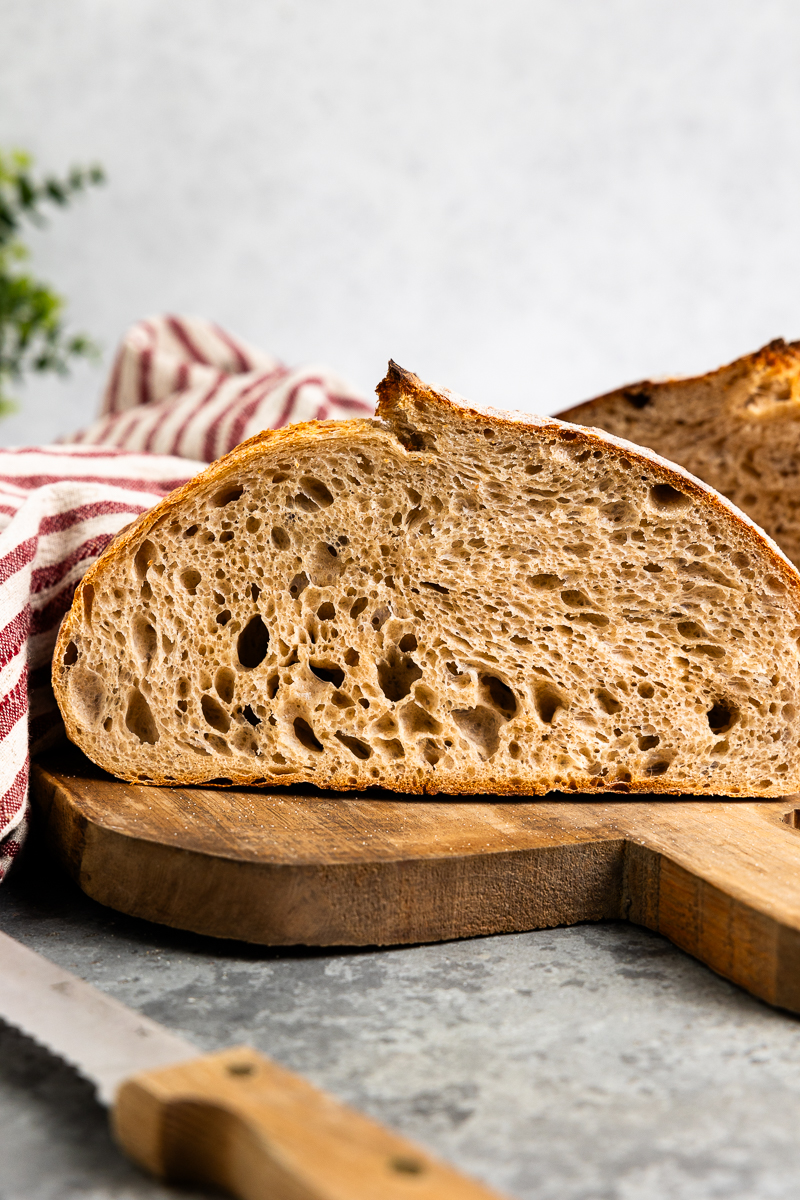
x: 440, y: 600
x: 737, y: 428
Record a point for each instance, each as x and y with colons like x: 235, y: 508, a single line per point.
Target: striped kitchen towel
x: 182, y: 392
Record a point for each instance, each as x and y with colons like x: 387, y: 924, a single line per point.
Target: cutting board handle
x: 239, y: 1122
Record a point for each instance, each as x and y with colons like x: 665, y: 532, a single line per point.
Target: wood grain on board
x: 720, y: 878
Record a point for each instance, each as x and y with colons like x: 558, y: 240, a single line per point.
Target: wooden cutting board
x: 721, y: 878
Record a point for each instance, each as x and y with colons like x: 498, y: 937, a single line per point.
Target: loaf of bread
x: 440, y: 600
x: 737, y: 428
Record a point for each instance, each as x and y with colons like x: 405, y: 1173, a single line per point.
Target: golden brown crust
x: 776, y: 355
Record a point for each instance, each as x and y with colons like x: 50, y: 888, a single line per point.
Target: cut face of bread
x: 439, y: 600
x: 737, y: 428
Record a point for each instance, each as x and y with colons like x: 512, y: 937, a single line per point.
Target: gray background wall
x: 528, y: 200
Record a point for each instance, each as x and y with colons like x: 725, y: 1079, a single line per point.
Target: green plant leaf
x: 32, y: 333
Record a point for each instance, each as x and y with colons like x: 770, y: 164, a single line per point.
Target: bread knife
x: 234, y: 1120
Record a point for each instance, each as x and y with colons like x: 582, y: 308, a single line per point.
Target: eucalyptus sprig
x: 32, y: 333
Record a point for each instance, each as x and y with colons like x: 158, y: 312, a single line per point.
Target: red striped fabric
x: 181, y: 392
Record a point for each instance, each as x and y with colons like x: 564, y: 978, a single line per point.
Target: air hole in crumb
x: 667, y: 498
x: 392, y: 749
x: 352, y: 657
x: 88, y: 601
x: 253, y: 524
x: 357, y: 748
x: 215, y: 714
x: 646, y: 691
x: 657, y: 768
x: 218, y: 743
x: 305, y: 503
x: 380, y: 616
x: 575, y: 598
x: 323, y: 564
x: 546, y: 582
x: 690, y: 629
x: 721, y: 716
x: 305, y: 735
x: 396, y: 674
x: 607, y: 702
x: 227, y: 496
x: 548, y: 701
x: 648, y: 742
x: 144, y: 556
x: 436, y: 587
x: 328, y: 674
x: 224, y: 683
x: 416, y: 720
x: 298, y: 585
x: 407, y: 643
x: 453, y: 669
x: 190, y: 579
x: 87, y: 693
x: 145, y: 639
x: 514, y: 749
x: 358, y: 607
x: 250, y: 716
x: 480, y: 725
x: 255, y: 591
x: 431, y: 753
x: 637, y: 399
x: 710, y: 651
x: 139, y: 719
x: 316, y: 490
x: 272, y: 686
x: 500, y: 694
x: 70, y: 654
x: 224, y: 617
x: 253, y: 643
x: 326, y: 611
x: 280, y: 538
x: 191, y: 531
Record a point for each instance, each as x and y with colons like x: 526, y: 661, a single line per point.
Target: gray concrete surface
x: 592, y: 1063
x: 530, y: 201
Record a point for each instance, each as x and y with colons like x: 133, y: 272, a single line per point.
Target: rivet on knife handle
x: 239, y: 1121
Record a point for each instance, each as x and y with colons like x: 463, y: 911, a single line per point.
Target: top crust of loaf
x: 414, y: 420
x: 779, y: 359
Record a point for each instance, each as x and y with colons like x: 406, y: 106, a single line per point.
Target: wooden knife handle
x: 238, y: 1121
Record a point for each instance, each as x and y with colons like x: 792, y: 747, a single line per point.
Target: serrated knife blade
x: 235, y: 1119
x: 101, y: 1038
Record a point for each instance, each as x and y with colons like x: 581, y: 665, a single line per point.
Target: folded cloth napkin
x: 182, y: 392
